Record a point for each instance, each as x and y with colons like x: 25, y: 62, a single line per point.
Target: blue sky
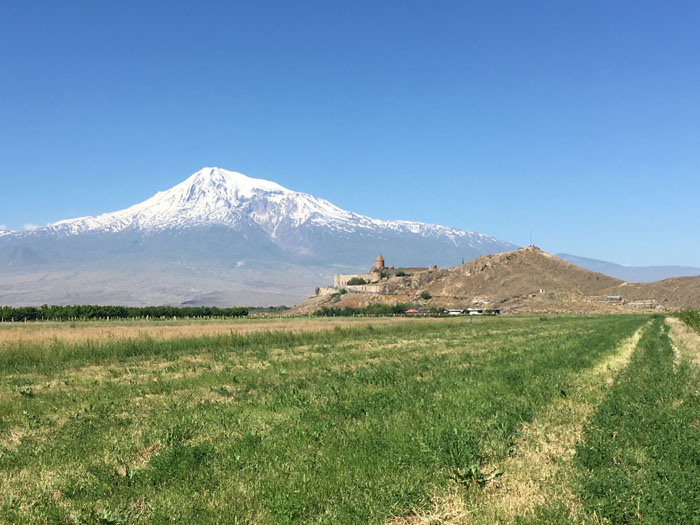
x: 580, y: 120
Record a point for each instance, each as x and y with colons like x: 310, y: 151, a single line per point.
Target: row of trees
x: 372, y: 309
x: 88, y: 311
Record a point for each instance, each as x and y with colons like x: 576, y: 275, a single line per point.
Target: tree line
x: 89, y: 311
x: 372, y: 309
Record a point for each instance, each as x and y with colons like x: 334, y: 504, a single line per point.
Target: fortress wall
x: 364, y: 288
x: 342, y: 279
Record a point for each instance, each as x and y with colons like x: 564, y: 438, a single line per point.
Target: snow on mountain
x: 214, y: 196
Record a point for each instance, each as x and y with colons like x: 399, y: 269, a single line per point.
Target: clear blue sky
x: 578, y: 119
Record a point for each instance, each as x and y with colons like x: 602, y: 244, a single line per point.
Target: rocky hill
x: 524, y: 280
x: 521, y: 272
x: 671, y: 294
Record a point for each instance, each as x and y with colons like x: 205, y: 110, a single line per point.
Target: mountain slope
x: 633, y: 274
x: 248, y: 231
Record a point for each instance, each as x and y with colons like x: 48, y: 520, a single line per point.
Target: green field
x: 367, y: 424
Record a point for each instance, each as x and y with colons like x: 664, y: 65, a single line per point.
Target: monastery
x: 379, y: 272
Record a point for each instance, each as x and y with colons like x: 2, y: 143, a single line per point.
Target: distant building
x: 378, y: 264
x: 644, y: 303
x: 377, y: 273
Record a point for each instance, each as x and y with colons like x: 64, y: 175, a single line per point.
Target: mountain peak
x: 214, y: 195
x: 231, y: 182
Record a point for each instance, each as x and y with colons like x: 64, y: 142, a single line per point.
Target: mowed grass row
x: 344, y: 426
x: 79, y: 332
x: 640, y: 457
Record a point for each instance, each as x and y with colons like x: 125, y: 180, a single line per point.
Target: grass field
x: 455, y: 421
x: 12, y: 334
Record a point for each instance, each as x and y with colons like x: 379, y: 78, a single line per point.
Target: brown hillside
x: 524, y: 280
x: 679, y: 292
x: 521, y: 272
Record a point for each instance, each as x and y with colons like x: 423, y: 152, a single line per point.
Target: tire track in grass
x: 639, y: 460
x: 540, y: 468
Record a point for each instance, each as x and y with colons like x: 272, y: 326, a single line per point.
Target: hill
x: 524, y: 280
x: 525, y: 271
x: 671, y: 294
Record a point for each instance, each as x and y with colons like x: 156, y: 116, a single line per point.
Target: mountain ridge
x: 631, y: 274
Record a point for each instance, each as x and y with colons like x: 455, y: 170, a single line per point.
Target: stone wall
x: 364, y: 288
x: 342, y: 279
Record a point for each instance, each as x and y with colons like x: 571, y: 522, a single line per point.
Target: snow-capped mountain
x: 214, y: 196
x: 219, y: 219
